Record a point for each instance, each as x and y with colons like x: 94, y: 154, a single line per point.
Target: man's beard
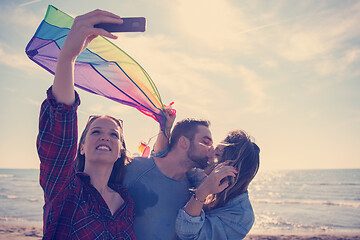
x: 200, y: 162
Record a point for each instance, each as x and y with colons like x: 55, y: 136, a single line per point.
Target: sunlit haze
x: 286, y: 72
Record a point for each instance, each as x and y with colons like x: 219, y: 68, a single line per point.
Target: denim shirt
x: 232, y: 221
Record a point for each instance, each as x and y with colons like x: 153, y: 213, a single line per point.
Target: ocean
x: 293, y: 201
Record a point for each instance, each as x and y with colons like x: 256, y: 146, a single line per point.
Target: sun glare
x: 213, y: 23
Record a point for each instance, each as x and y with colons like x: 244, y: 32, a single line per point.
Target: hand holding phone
x: 133, y: 24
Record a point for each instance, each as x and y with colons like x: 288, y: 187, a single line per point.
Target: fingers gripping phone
x: 133, y: 24
x: 228, y: 179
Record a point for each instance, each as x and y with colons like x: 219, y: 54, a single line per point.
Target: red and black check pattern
x: 73, y: 208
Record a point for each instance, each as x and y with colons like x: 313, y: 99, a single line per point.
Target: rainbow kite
x: 102, y: 68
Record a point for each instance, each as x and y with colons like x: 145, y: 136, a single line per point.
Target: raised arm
x: 57, y: 138
x: 81, y: 34
x: 56, y: 144
x: 162, y: 141
x: 211, y: 185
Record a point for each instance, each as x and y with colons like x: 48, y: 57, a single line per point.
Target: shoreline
x: 20, y: 230
x: 30, y: 231
x: 305, y: 236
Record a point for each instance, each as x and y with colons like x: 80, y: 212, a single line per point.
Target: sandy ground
x: 304, y: 237
x: 17, y: 231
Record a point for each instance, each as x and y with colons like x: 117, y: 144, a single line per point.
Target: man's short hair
x: 187, y: 127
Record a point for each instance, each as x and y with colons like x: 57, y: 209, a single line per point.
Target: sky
x: 286, y: 72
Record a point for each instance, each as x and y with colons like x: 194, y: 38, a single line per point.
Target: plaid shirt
x: 73, y: 208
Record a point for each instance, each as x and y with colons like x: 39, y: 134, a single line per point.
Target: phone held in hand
x: 228, y: 179
x: 132, y: 24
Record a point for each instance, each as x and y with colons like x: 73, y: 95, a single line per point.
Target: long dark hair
x: 243, y: 154
x: 118, y: 171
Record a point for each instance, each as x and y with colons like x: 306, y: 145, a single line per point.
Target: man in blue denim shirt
x: 159, y: 186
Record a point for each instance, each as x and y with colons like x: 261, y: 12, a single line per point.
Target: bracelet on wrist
x: 196, y: 199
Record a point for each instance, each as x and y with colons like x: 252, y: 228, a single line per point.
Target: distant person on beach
x: 83, y: 197
x: 220, y: 206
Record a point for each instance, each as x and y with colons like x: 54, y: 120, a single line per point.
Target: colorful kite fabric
x: 102, y: 68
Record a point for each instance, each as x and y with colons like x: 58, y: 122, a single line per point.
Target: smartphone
x: 228, y: 179
x: 133, y: 24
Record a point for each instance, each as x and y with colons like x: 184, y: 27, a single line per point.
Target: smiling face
x: 102, y: 142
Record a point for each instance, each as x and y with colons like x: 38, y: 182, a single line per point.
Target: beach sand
x: 335, y: 236
x: 17, y: 231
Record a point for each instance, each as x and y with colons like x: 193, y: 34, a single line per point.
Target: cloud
x: 96, y: 108
x: 344, y: 66
x: 210, y: 25
x: 313, y: 115
x: 317, y: 35
x: 83, y: 113
x: 33, y: 102
x: 257, y: 28
x: 174, y: 71
x: 302, y: 46
x: 118, y: 109
x: 105, y: 108
x: 19, y: 16
x: 227, y: 28
x: 29, y: 3
x: 10, y: 90
x: 270, y: 64
x: 15, y: 60
x: 254, y: 86
x: 196, y: 81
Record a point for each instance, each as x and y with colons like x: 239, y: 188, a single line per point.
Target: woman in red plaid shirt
x: 83, y: 199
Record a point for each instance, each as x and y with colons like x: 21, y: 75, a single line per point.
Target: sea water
x: 21, y: 197
x: 295, y: 201
x: 304, y: 201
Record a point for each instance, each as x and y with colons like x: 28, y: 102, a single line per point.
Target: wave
x: 33, y: 221
x: 6, y: 175
x: 11, y: 219
x: 33, y: 199
x: 309, y: 202
x: 30, y: 199
x: 35, y: 184
x: 279, y: 224
x: 337, y: 184
x: 267, y: 223
x: 9, y: 196
x: 12, y: 197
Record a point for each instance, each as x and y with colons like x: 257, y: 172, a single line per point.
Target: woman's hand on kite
x: 83, y: 32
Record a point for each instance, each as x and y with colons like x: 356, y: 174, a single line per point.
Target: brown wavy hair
x: 118, y: 171
x: 242, y: 153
